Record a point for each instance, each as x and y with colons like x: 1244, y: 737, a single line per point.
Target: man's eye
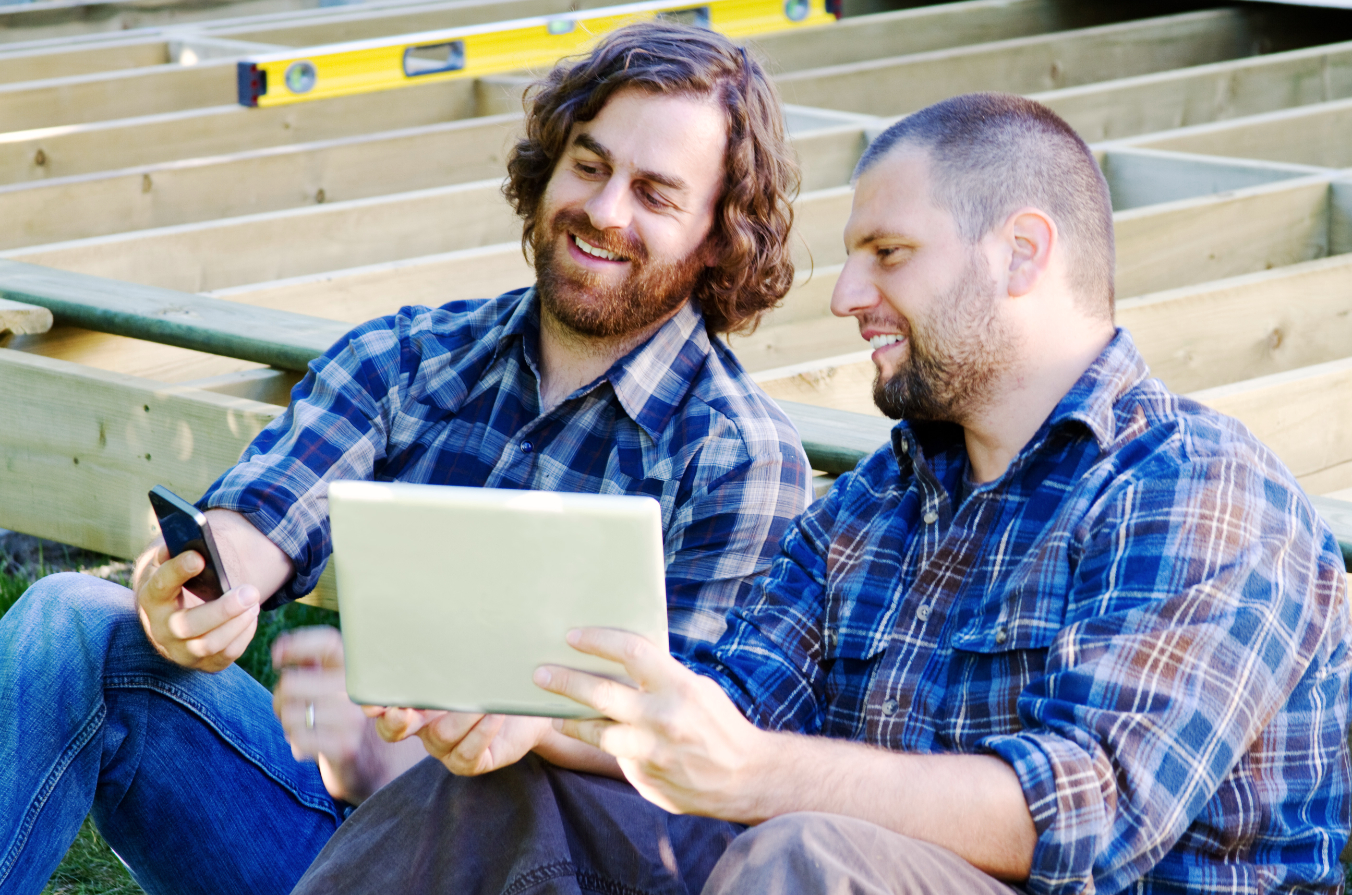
x: 588, y: 170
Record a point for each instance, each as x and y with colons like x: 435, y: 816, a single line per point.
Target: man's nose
x: 855, y: 292
x: 610, y: 208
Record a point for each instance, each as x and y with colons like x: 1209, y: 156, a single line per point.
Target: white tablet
x: 451, y: 597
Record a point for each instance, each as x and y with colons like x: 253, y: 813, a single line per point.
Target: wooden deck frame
x: 896, y: 86
x: 1103, y: 110
x: 1318, y: 134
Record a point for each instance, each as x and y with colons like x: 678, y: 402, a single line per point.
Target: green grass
x: 90, y: 867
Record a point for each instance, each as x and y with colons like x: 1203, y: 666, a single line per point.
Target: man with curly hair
x: 654, y: 180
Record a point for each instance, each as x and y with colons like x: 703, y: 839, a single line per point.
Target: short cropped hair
x: 993, y: 153
x: 760, y: 174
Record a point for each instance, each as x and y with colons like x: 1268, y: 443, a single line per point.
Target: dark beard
x: 592, y: 308
x: 950, y: 366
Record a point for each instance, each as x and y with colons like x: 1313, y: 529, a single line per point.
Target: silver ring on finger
x: 309, y: 716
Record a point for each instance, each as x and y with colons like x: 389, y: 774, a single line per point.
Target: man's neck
x: 570, y: 360
x: 1021, y: 403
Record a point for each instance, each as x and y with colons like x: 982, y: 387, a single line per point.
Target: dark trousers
x: 529, y: 828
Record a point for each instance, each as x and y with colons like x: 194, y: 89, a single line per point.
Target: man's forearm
x: 973, y: 805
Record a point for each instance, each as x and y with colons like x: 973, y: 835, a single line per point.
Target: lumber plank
x: 104, y: 96
x: 250, y: 182
x: 1023, y: 65
x: 1210, y: 237
x: 120, y: 354
x: 1141, y: 177
x: 835, y: 441
x: 275, y: 338
x: 1161, y: 101
x: 83, y: 446
x: 1318, y: 134
x: 195, y: 133
x: 1231, y: 330
x: 253, y: 248
x: 1294, y: 414
x: 44, y: 64
x: 909, y: 31
x: 20, y: 319
x: 362, y: 293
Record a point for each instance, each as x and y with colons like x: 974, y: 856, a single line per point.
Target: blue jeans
x: 188, y: 775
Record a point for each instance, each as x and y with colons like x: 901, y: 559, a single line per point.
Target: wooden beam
x: 836, y: 441
x: 254, y: 248
x: 82, y: 447
x: 1231, y: 330
x: 134, y: 357
x: 43, y: 64
x: 1140, y: 177
x: 1297, y: 414
x: 909, y: 31
x: 280, y: 339
x: 1210, y: 237
x: 260, y: 180
x: 1310, y: 135
x: 361, y: 293
x: 1164, y: 100
x: 104, y: 96
x: 20, y: 319
x: 195, y: 133
x: 1027, y: 65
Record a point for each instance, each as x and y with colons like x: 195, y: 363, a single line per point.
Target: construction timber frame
x: 170, y: 261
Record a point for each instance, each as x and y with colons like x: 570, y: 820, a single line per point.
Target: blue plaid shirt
x: 450, y: 397
x: 1143, y: 616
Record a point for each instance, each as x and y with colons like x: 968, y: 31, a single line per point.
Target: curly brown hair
x: 760, y: 174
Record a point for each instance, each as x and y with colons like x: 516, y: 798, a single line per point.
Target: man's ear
x: 1030, y: 235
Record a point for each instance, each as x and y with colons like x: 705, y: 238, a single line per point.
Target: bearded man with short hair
x: 655, y: 183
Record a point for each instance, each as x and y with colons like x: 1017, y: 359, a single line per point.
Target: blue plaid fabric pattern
x: 1143, y: 616
x: 450, y: 397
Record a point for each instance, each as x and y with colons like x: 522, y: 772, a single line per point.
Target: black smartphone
x: 185, y: 528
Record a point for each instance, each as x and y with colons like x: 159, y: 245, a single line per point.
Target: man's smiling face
x: 629, y: 206
x: 924, y: 297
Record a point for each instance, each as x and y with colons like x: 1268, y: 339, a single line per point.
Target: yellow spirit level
x: 383, y: 63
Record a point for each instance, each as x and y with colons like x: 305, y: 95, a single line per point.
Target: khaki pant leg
x: 826, y: 854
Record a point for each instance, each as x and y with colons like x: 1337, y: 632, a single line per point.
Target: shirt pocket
x: 857, y: 632
x: 999, y: 646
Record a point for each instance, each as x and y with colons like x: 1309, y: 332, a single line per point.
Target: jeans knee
x: 65, y: 611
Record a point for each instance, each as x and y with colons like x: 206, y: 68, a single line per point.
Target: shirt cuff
x: 1065, y: 795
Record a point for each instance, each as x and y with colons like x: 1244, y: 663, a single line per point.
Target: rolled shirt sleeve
x: 1202, y: 605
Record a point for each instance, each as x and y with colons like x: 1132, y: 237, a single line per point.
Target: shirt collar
x: 1093, y: 397
x: 651, y: 381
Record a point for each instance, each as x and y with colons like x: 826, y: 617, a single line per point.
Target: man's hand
x: 184, y: 628
x: 323, y: 724
x: 678, y: 738
x: 467, y: 744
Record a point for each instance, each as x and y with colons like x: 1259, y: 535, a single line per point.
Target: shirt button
x: 1001, y: 634
x: 830, y: 639
x: 905, y: 448
x: 890, y: 707
x: 923, y: 613
x: 931, y: 517
x: 527, y: 447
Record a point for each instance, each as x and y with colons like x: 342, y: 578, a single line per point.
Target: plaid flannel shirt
x: 1143, y: 616
x: 450, y: 397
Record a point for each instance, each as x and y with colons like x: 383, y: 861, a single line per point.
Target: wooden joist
x: 1024, y: 65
